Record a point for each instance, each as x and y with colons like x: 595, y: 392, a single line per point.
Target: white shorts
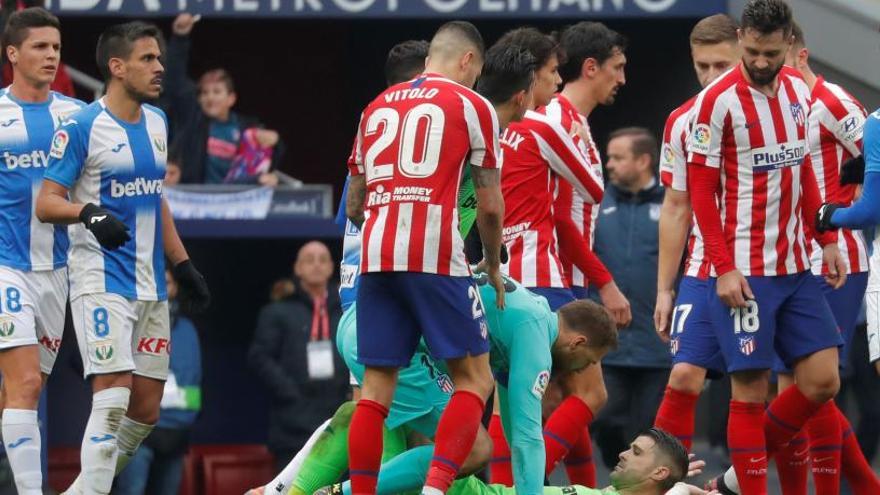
x: 116, y: 334
x: 32, y: 306
x: 872, y: 305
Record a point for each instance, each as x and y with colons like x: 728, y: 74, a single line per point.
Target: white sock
x: 99, y: 446
x: 730, y: 480
x: 282, y: 483
x: 22, y: 435
x: 131, y: 434
x: 430, y: 490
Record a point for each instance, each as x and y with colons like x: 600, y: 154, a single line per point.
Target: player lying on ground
x: 526, y: 339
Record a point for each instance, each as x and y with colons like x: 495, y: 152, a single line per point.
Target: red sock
x: 455, y: 437
x: 856, y: 470
x: 825, y: 448
x: 365, y: 446
x: 785, y: 417
x: 676, y: 415
x: 579, y: 462
x: 792, y: 463
x: 500, y: 472
x: 563, y: 428
x: 748, y: 452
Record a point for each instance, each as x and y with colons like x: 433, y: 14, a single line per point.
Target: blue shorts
x: 555, y: 296
x: 580, y: 292
x: 789, y: 314
x: 399, y: 308
x: 846, y: 304
x: 692, y: 339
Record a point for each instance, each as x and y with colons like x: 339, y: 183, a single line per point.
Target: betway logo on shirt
x: 776, y: 156
x: 137, y: 187
x: 34, y: 159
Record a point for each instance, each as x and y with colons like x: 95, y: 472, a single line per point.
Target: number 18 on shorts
x: 788, y: 316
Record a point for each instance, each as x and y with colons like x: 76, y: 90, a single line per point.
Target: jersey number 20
x: 419, y: 152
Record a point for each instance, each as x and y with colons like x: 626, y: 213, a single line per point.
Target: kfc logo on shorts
x: 52, y: 345
x: 747, y: 345
x: 152, y: 345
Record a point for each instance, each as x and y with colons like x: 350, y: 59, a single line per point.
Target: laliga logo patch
x: 701, y: 138
x: 668, y: 155
x: 797, y: 112
x: 747, y: 345
x: 59, y: 144
x: 541, y: 382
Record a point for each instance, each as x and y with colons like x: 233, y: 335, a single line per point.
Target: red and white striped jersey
x: 834, y: 135
x: 673, y: 175
x: 538, y: 153
x: 759, y: 143
x: 583, y: 213
x: 413, y: 141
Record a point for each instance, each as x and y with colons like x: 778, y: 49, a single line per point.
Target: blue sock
x: 404, y: 473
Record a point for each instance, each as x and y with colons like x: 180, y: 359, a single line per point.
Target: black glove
x: 504, y: 256
x: 823, y: 217
x: 193, y: 293
x: 853, y: 171
x: 109, y: 230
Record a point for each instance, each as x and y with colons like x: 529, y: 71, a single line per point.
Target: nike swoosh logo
x: 757, y: 459
x: 800, y: 453
x: 823, y: 459
x: 102, y: 439
x: 98, y: 218
x: 19, y: 442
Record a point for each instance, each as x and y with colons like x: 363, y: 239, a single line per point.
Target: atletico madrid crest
x: 673, y: 346
x: 747, y: 345
x: 797, y: 111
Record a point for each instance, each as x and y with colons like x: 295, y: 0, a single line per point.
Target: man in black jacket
x: 293, y: 354
x: 206, y: 133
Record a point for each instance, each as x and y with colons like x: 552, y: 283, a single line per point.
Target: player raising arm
x: 105, y: 177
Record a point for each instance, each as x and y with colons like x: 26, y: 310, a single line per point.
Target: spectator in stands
x: 157, y: 466
x: 294, y: 355
x: 62, y: 84
x: 626, y: 230
x: 210, y: 142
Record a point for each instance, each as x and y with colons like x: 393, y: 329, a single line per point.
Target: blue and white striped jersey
x: 25, y: 136
x: 350, y: 267
x: 119, y: 166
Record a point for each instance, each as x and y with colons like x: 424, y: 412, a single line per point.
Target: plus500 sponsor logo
x: 137, y: 187
x: 777, y: 156
x: 34, y: 159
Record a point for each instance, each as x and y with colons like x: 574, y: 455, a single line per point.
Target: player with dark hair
x: 33, y: 271
x: 405, y: 60
x: 686, y: 325
x: 748, y: 141
x: 104, y: 179
x: 415, y: 277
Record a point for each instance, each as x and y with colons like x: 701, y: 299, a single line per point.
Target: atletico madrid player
x: 748, y: 141
x: 413, y: 141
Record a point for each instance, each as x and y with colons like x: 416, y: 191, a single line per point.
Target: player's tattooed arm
x: 354, y: 200
x: 490, y: 219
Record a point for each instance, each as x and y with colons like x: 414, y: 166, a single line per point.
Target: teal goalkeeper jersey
x: 521, y: 337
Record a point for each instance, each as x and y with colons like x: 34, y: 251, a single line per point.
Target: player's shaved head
x: 798, y: 34
x: 454, y: 39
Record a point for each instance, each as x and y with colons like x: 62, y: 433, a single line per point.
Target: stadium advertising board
x: 393, y: 8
